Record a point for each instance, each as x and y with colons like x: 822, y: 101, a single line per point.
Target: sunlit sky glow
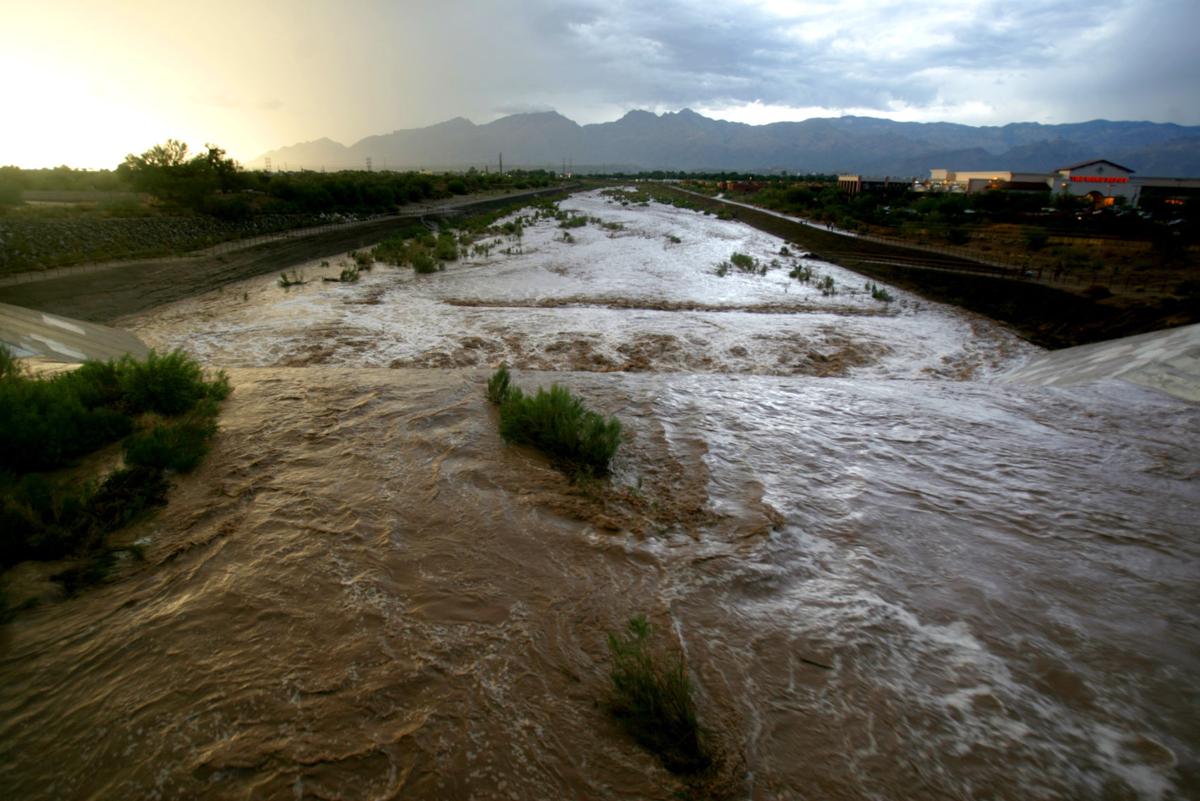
x: 84, y: 83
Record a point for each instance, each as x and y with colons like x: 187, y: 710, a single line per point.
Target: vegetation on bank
x: 168, y: 200
x: 652, y: 698
x: 556, y: 422
x: 475, y: 235
x: 162, y: 409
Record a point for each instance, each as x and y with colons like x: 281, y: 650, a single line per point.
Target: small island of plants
x: 163, y: 411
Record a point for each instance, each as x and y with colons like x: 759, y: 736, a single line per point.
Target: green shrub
x: 446, y: 248
x: 124, y: 495
x: 423, y: 263
x: 168, y: 384
x: 878, y: 292
x: 652, y: 700
x: 577, y: 221
x: 801, y: 273
x: 499, y: 385
x: 743, y: 262
x: 556, y: 422
x: 178, y: 446
x: 40, y: 519
x: 46, y: 423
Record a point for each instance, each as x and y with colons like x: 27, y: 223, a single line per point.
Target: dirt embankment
x: 129, y: 287
x: 1045, y: 315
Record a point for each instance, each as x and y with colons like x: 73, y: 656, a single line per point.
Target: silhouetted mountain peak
x: 687, y: 140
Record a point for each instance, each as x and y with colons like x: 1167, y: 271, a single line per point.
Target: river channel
x: 894, y: 576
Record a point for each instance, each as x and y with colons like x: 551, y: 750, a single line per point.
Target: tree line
x: 209, y: 182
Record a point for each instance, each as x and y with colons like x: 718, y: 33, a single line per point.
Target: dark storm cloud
x: 988, y: 60
x: 870, y: 55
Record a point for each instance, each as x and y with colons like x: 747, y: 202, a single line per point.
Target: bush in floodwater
x: 878, y: 292
x: 295, y: 279
x: 348, y: 275
x: 45, y: 423
x: 499, y: 385
x: 41, y: 519
x: 179, y: 445
x: 674, y: 240
x: 423, y: 263
x: 801, y: 273
x: 446, y: 248
x: 557, y: 423
x: 652, y: 700
x: 167, y: 384
x: 577, y: 221
x: 722, y: 269
x: 744, y: 262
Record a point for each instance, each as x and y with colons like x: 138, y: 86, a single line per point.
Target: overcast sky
x: 84, y: 83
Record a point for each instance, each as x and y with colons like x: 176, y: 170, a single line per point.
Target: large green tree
x: 166, y: 172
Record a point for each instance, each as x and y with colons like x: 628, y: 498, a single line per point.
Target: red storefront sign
x: 1098, y: 179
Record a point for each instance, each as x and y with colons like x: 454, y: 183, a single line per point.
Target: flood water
x: 893, y: 576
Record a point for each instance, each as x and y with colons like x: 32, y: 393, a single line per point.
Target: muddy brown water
x: 885, y: 588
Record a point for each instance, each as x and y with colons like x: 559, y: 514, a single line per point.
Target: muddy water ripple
x: 889, y: 584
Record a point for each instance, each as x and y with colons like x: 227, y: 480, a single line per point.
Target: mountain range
x: 686, y: 140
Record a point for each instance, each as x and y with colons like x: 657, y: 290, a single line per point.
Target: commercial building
x: 853, y: 184
x: 1105, y: 182
x: 1099, y: 179
x: 983, y: 180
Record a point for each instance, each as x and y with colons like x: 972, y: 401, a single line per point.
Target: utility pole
x: 502, y: 164
x: 368, y: 163
x: 267, y: 161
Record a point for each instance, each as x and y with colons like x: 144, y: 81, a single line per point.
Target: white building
x: 1102, y: 180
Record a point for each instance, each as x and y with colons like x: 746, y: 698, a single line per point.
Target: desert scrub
x: 499, y: 385
x: 743, y: 262
x: 164, y: 407
x: 651, y: 697
x: 878, y: 292
x: 446, y: 247
x: 556, y: 422
x: 166, y: 384
x: 801, y: 273
x: 178, y: 445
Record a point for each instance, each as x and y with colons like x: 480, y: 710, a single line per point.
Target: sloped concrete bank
x: 131, y: 287
x: 1046, y: 316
